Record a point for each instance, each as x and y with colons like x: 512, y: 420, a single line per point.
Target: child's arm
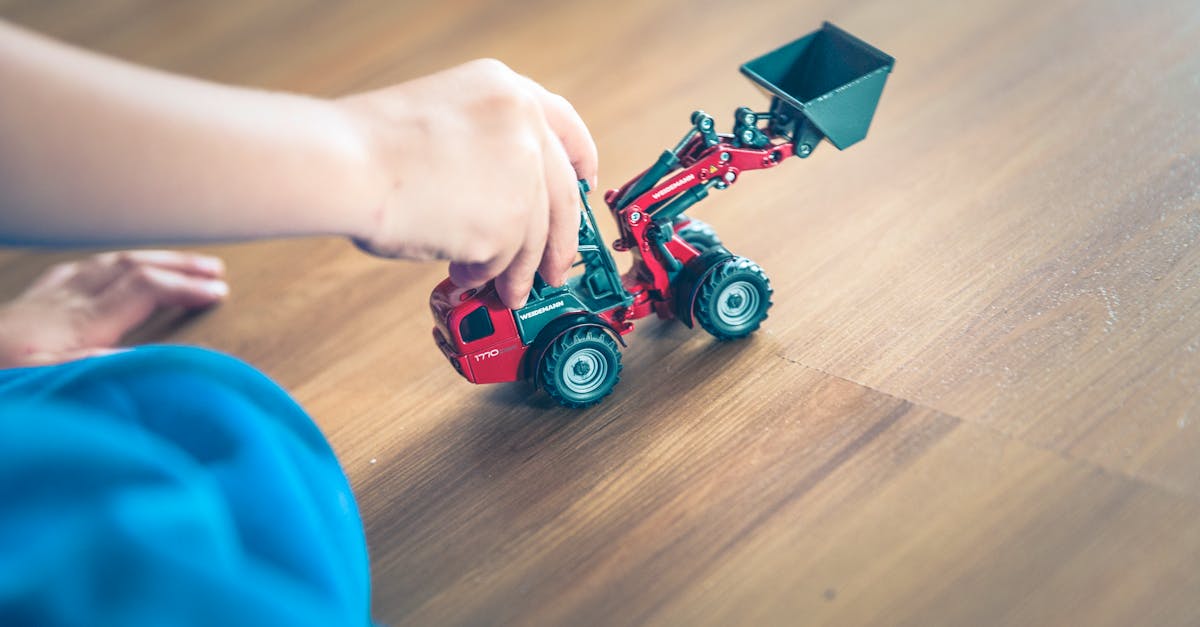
x: 475, y: 164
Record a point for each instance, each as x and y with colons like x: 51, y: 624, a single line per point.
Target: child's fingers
x: 473, y: 274
x: 129, y: 300
x: 189, y: 263
x: 98, y: 272
x: 166, y: 288
x: 514, y: 283
x: 60, y: 357
x: 562, y: 239
x: 571, y: 131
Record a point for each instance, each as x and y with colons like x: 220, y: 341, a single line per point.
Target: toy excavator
x: 565, y: 339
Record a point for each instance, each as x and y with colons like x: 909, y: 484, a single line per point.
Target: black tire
x: 581, y: 367
x: 699, y: 235
x: 732, y: 301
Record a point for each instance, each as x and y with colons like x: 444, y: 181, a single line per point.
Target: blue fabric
x: 171, y: 486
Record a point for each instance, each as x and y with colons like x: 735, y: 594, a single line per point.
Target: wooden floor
x: 975, y: 402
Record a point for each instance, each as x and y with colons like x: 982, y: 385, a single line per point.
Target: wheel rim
x: 737, y: 304
x: 584, y: 371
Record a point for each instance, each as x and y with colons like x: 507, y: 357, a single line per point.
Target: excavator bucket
x: 829, y: 77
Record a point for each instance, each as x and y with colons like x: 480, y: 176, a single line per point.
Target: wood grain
x: 976, y: 399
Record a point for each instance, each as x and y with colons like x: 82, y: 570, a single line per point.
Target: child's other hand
x: 81, y: 309
x: 480, y: 167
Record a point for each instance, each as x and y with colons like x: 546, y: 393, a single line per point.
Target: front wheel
x: 733, y: 299
x: 581, y: 367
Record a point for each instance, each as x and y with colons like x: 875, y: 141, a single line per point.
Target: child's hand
x: 480, y: 167
x: 82, y: 309
x: 476, y: 164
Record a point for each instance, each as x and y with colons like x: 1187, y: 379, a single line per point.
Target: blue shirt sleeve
x: 171, y: 486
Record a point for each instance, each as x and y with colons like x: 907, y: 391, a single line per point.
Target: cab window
x: 476, y: 325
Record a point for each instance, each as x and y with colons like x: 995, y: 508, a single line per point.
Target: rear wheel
x: 581, y: 367
x: 733, y: 299
x: 699, y: 235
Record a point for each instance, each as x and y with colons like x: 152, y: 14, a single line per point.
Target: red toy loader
x: 824, y: 86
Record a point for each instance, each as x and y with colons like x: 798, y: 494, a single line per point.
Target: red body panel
x: 493, y: 359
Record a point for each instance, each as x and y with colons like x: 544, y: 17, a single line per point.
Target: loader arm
x: 646, y: 221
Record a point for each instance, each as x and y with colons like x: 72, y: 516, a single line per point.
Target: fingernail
x: 211, y: 265
x: 218, y: 288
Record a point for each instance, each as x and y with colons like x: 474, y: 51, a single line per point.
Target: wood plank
x: 981, y: 530
x: 828, y: 503
x: 1032, y: 265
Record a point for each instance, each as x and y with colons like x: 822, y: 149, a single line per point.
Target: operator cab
x: 599, y: 286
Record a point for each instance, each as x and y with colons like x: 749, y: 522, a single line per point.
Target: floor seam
x: 1087, y: 463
